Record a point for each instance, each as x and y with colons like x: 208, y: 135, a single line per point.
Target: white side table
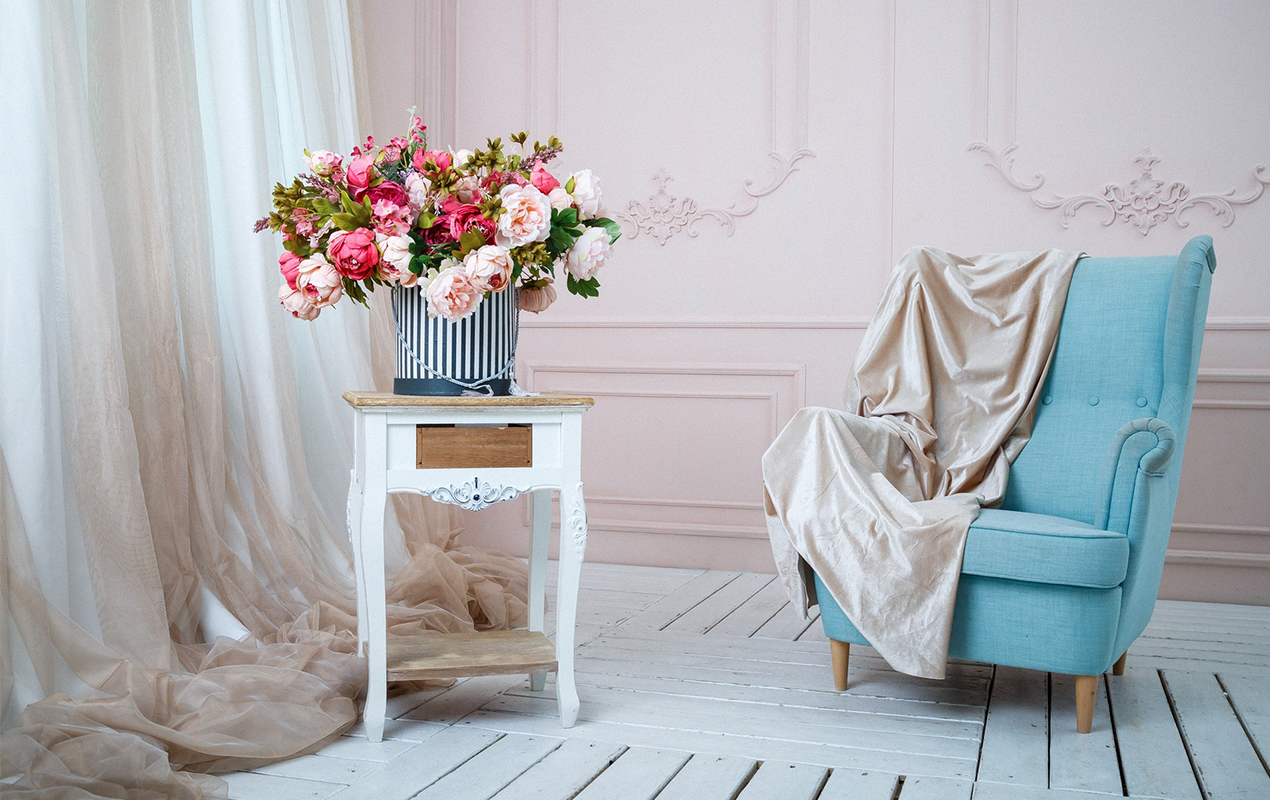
x: 471, y: 452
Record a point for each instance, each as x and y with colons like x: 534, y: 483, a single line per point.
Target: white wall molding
x: 662, y: 216
x: 1221, y: 528
x: 1217, y: 558
x: 1143, y: 202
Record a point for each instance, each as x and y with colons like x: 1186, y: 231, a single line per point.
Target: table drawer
x: 457, y: 447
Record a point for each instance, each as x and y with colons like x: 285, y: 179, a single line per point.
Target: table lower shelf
x: 457, y: 655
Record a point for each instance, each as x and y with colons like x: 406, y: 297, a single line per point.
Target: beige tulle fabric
x: 174, y: 451
x: 878, y: 499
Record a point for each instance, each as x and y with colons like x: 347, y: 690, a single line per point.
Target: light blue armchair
x: 1063, y: 576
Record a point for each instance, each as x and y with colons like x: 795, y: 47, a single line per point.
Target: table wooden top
x: 374, y: 400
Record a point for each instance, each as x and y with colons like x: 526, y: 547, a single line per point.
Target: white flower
x: 417, y: 190
x: 587, y: 255
x: 526, y: 216
x: 460, y: 157
x: 560, y: 199
x: 394, y: 260
x: 586, y: 194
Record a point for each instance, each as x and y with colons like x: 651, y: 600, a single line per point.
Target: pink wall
x: 802, y: 147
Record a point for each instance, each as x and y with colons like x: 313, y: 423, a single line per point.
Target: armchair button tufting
x: 1093, y: 400
x: 1142, y: 402
x: 1047, y: 399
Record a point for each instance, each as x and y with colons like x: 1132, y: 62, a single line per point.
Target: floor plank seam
x: 1181, y: 730
x: 1115, y: 735
x: 1243, y: 723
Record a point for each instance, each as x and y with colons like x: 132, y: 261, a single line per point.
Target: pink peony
x: 432, y: 161
x: 452, y: 295
x: 290, y: 264
x: 354, y: 253
x: 489, y: 268
x: 320, y: 284
x: 526, y: 217
x: 537, y: 299
x: 469, y: 218
x: 543, y: 180
x: 387, y: 190
x: 360, y: 174
x: 295, y: 302
x: 587, y: 255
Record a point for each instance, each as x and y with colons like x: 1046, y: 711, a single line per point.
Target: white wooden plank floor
x: 705, y: 685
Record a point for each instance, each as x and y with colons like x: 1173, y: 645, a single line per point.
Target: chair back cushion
x: 1128, y: 348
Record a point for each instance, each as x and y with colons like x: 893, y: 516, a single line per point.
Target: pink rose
x: 452, y: 295
x: 543, y: 180
x: 290, y: 264
x: 387, y: 190
x: 432, y: 161
x: 320, y: 284
x: 295, y: 302
x: 537, y: 299
x: 354, y: 253
x: 489, y: 268
x: 468, y: 218
x: 526, y: 217
x: 359, y: 174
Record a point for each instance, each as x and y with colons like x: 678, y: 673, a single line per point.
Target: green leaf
x: 587, y: 288
x: 347, y: 203
x: 426, y: 220
x: 345, y: 222
x: 569, y: 185
x: 470, y: 241
x: 614, y: 230
x: 323, y: 206
x: 567, y: 217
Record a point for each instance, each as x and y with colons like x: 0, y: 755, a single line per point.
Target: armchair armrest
x: 1142, y: 446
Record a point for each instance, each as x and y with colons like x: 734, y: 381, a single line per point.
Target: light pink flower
x: 324, y: 163
x: 289, y: 263
x: 537, y: 299
x: 560, y: 199
x: 354, y: 253
x: 543, y: 180
x: 417, y: 189
x: 320, y: 284
x: 468, y: 189
x: 394, y: 261
x: 526, y: 217
x: 452, y: 295
x: 489, y: 268
x: 296, y: 303
x: 587, y: 255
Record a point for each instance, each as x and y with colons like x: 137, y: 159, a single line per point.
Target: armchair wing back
x: 1063, y: 577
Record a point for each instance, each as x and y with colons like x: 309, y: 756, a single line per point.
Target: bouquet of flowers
x: 458, y: 225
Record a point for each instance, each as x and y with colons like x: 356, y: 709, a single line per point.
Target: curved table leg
x: 572, y: 546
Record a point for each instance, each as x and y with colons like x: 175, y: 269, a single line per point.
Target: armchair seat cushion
x: 1042, y: 549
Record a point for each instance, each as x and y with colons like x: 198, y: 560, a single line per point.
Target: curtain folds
x: 176, y: 586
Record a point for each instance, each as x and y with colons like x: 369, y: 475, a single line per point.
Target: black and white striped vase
x: 437, y: 356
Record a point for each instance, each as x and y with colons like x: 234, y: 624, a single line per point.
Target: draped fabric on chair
x: 174, y: 451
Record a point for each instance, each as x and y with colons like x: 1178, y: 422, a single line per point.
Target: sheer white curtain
x: 174, y: 451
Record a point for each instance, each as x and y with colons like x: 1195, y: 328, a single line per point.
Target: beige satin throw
x: 878, y: 499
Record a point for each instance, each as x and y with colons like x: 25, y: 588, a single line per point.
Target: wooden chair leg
x: 1086, y: 694
x: 841, y: 653
x: 1118, y: 667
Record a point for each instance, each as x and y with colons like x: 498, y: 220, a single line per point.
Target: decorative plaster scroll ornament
x: 663, y: 215
x: 473, y: 495
x: 577, y: 522
x: 1144, y: 203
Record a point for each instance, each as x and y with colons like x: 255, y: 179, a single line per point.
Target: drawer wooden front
x: 450, y: 447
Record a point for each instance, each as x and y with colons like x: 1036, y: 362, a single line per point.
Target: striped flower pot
x: 436, y: 356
